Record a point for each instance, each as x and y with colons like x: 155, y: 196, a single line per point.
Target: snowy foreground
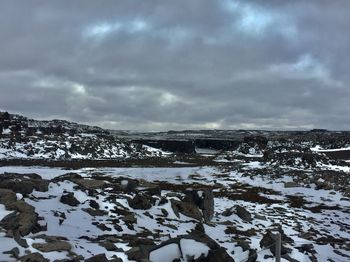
x: 127, y: 214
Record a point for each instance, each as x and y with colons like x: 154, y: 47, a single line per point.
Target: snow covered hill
x: 30, y: 139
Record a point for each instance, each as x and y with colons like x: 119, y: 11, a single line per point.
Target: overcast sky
x: 165, y: 64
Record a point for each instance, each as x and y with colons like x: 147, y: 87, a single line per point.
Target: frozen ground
x: 307, y: 213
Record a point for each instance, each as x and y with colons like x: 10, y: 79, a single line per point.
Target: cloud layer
x: 159, y: 65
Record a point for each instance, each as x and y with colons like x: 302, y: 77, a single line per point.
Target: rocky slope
x: 25, y: 138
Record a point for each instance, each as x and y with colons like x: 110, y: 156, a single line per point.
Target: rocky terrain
x: 70, y: 192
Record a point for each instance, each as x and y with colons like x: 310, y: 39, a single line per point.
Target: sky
x: 161, y: 65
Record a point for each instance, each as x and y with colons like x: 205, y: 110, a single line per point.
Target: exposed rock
x: 14, y: 252
x: 69, y: 199
x: 243, y: 213
x: 138, y: 253
x: 252, y: 255
x: 269, y: 241
x: 200, y: 228
x: 94, y: 204
x: 89, y: 183
x: 95, y: 212
x: 23, y: 184
x: 7, y: 196
x: 217, y: 255
x: 187, y: 208
x: 228, y: 212
x: 23, y: 220
x: 291, y: 184
x: 53, y: 245
x: 203, y: 199
x: 33, y: 257
x: 109, y: 246
x: 141, y: 201
x: 97, y: 258
x: 207, y: 205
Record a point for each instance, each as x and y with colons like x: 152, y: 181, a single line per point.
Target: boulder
x: 97, y: 258
x: 186, y: 208
x: 203, y: 199
x: 207, y: 205
x: 24, y: 184
x: 69, y: 199
x: 14, y: 252
x: 141, y: 201
x: 33, y: 257
x: 269, y: 241
x: 243, y: 214
x: 23, y: 220
x: 52, y: 246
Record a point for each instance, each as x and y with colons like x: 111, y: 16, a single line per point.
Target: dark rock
x: 203, y: 199
x: 138, y: 253
x: 243, y: 244
x: 95, y: 212
x: 14, y: 252
x: 69, y: 199
x: 23, y: 220
x: 109, y: 246
x: 269, y: 241
x: 165, y: 212
x: 187, y: 208
x: 33, y: 257
x: 252, y: 255
x: 52, y: 246
x: 163, y: 201
x: 207, y: 205
x: 140, y: 201
x: 243, y: 214
x: 217, y: 255
x: 88, y: 184
x: 97, y: 258
x: 200, y: 228
x: 103, y: 227
x: 228, y: 212
x: 94, y: 204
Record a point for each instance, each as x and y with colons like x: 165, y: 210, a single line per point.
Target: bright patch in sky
x: 101, y: 30
x: 255, y: 21
x: 306, y: 67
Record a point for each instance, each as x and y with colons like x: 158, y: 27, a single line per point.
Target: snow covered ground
x: 306, y: 214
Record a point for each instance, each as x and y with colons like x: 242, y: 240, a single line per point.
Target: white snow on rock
x: 166, y: 253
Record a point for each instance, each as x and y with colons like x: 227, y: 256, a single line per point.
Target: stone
x: 14, y: 252
x: 243, y: 214
x: 207, y: 205
x: 89, y: 183
x: 97, y: 258
x: 52, y: 246
x: 23, y: 221
x: 69, y: 199
x: 290, y: 184
x: 187, y: 208
x: 109, y: 246
x: 269, y: 241
x: 95, y: 212
x: 140, y: 201
x: 94, y: 204
x: 33, y: 257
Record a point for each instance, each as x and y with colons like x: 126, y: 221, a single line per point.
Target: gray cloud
x: 158, y: 65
